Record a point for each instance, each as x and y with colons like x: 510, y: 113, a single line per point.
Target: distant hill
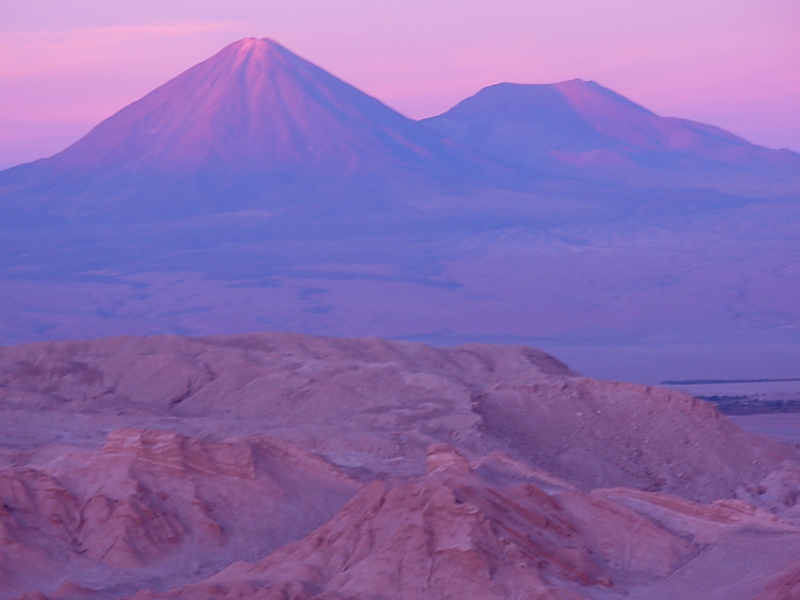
x: 582, y: 128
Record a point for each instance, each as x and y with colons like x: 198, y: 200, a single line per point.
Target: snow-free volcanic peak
x: 252, y: 124
x: 253, y: 105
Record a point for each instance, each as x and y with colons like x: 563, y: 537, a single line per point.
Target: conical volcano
x: 253, y: 125
x: 255, y: 106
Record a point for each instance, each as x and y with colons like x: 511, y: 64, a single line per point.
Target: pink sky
x: 64, y: 66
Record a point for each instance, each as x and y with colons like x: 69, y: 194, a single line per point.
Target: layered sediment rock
x: 287, y: 466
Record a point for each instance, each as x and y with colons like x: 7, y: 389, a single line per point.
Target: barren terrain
x: 285, y: 466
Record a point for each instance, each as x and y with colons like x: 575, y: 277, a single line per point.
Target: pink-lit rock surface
x: 286, y: 466
x: 154, y: 503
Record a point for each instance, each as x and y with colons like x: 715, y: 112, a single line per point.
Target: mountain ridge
x: 582, y: 128
x: 249, y: 127
x: 258, y: 127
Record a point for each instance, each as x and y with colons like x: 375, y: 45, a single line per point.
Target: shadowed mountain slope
x: 582, y: 128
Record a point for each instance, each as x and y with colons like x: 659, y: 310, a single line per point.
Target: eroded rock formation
x: 286, y: 466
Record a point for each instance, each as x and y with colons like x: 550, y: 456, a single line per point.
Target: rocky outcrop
x: 372, y: 406
x: 286, y: 466
x: 154, y: 499
x: 452, y: 533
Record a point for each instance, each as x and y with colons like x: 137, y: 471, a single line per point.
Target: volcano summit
x: 247, y: 128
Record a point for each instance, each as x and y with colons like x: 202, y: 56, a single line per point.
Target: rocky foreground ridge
x: 278, y: 465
